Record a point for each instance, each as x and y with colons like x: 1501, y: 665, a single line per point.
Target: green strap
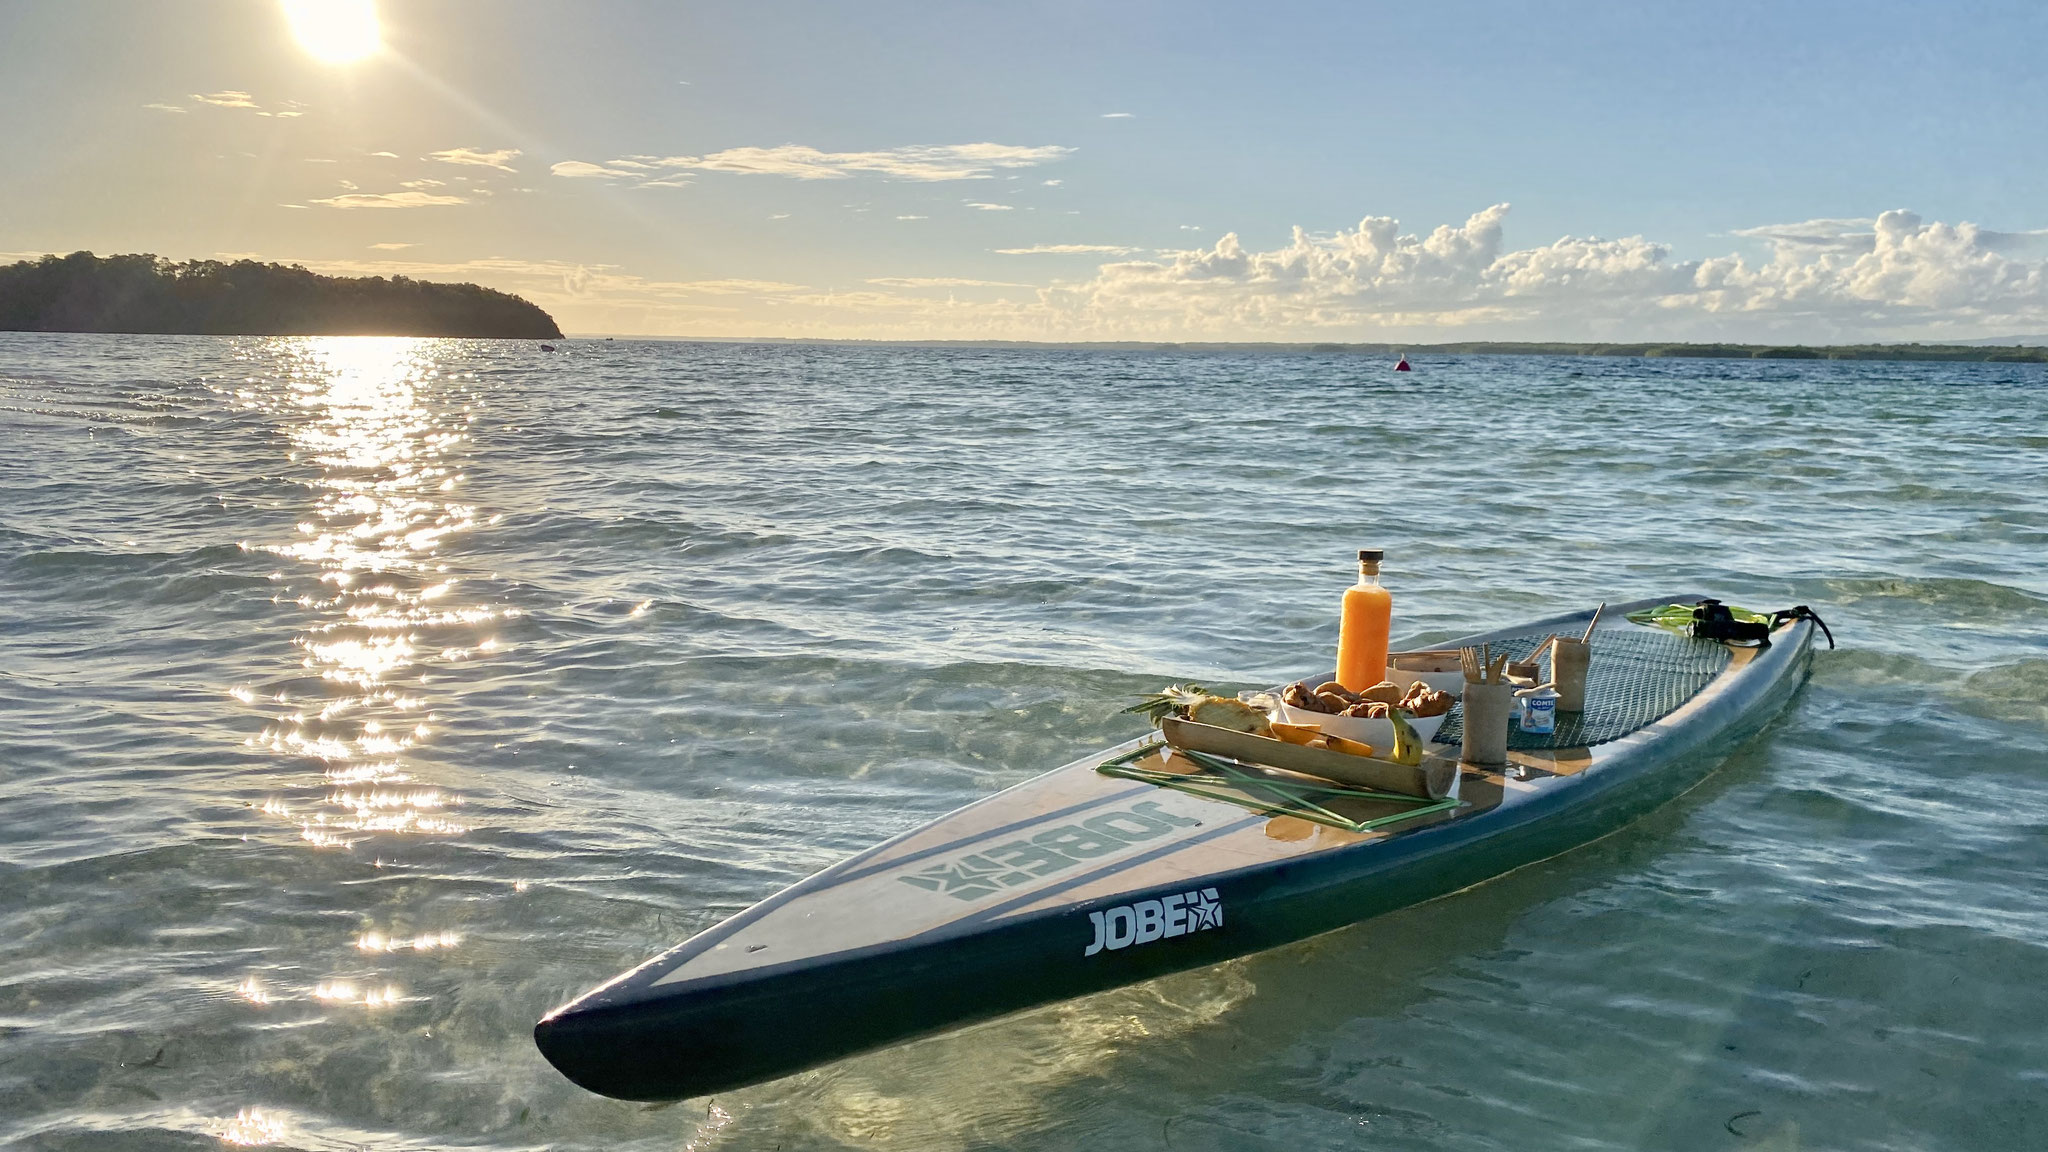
x: 1286, y: 797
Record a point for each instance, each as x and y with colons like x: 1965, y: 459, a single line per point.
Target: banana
x: 1349, y: 747
x: 1407, y: 745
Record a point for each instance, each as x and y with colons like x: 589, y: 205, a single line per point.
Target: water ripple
x: 364, y: 699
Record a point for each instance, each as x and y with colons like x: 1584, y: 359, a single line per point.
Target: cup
x: 1487, y: 707
x: 1568, y: 662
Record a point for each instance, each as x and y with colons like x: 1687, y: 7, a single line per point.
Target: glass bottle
x: 1368, y: 620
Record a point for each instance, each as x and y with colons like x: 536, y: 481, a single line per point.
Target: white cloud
x: 1853, y: 235
x: 579, y: 170
x: 989, y: 207
x: 392, y: 246
x: 1119, y: 115
x: 1053, y: 183
x: 1858, y: 235
x: 802, y: 162
x: 1068, y: 250
x: 941, y: 282
x: 913, y: 217
x: 1824, y: 283
x: 422, y: 185
x: 499, y: 159
x: 390, y: 200
x: 386, y: 155
x: 238, y: 99
x: 920, y: 162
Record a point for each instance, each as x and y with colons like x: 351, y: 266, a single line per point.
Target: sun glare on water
x: 335, y: 31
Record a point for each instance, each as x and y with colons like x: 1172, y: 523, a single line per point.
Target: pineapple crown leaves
x: 1157, y: 706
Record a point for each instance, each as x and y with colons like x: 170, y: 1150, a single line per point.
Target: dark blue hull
x: 668, y: 1030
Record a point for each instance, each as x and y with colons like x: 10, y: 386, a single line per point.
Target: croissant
x: 1386, y: 692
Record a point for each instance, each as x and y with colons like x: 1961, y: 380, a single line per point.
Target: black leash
x: 1711, y: 620
x: 1802, y: 612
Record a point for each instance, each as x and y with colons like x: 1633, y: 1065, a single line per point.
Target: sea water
x: 361, y: 700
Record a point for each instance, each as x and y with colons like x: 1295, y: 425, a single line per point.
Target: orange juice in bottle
x: 1368, y: 620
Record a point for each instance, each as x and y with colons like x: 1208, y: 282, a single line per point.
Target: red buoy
x: 1403, y: 366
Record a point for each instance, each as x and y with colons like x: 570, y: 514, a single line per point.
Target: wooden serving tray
x: 1429, y: 780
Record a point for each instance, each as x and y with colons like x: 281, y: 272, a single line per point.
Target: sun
x: 335, y: 31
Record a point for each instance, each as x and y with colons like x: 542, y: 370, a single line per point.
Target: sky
x: 1315, y: 171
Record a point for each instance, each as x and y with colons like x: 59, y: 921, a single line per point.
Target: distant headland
x: 146, y: 294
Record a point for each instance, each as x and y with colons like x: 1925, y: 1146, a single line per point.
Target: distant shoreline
x: 145, y: 295
x: 1956, y: 353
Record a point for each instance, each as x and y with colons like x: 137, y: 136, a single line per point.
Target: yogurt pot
x: 1536, y: 710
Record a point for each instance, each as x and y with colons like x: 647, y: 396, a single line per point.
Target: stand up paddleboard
x: 1144, y: 860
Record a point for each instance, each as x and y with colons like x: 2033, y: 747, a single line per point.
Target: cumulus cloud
x: 390, y: 200
x: 802, y: 162
x: 499, y: 158
x: 1068, y: 250
x: 1826, y: 280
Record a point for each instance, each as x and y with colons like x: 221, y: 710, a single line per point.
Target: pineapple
x: 1192, y: 702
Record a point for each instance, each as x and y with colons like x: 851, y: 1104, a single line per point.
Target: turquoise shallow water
x: 361, y: 700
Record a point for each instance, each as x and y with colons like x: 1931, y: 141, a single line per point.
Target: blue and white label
x: 1149, y: 920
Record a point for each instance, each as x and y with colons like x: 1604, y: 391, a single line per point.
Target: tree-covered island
x: 143, y: 293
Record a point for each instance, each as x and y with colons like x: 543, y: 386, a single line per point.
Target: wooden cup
x: 1487, y: 708
x: 1568, y: 662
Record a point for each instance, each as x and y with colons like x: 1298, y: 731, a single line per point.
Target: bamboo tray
x: 1429, y: 780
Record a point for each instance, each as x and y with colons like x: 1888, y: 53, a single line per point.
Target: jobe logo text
x: 1150, y: 920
